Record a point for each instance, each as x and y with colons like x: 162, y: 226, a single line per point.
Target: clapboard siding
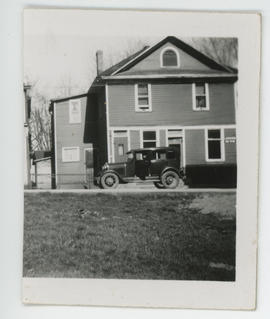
x: 68, y: 135
x: 171, y: 105
x: 195, y: 147
x: 162, y: 136
x: 230, y: 148
x: 152, y: 62
x: 230, y: 132
x: 134, y: 139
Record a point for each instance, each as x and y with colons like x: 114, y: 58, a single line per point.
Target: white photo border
x: 240, y: 294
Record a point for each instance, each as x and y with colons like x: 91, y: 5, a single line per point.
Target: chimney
x: 99, y: 59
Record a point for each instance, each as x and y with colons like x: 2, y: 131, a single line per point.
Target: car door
x: 142, y: 163
x: 158, y: 162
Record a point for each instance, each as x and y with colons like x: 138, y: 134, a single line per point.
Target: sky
x: 53, y: 61
x: 60, y: 49
x: 60, y: 45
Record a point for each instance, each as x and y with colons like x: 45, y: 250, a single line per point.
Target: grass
x: 180, y: 236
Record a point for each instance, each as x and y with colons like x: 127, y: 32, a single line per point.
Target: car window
x: 139, y: 156
x: 159, y: 155
x: 144, y: 155
x: 130, y: 156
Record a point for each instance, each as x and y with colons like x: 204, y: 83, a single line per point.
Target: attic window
x: 169, y: 58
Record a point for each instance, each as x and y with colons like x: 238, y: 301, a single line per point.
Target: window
x: 122, y: 133
x: 130, y: 156
x: 74, y: 111
x: 160, y: 155
x: 149, y: 139
x: 200, y: 96
x: 175, y: 133
x: 143, y: 100
x: 120, y: 149
x: 215, y: 145
x: 139, y: 157
x: 70, y: 154
x: 169, y: 58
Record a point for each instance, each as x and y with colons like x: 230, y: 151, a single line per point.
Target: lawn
x: 160, y: 235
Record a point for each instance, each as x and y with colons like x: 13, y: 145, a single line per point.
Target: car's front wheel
x: 109, y: 181
x: 170, y: 179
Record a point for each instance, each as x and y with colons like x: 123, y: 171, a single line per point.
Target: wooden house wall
x: 134, y: 139
x: 195, y: 147
x: 69, y: 135
x: 171, y: 105
x: 230, y: 147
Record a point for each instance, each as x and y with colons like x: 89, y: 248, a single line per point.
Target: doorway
x: 175, y: 139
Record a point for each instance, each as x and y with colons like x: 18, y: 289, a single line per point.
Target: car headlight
x: 105, y: 166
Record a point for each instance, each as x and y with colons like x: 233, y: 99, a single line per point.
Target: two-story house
x: 167, y: 94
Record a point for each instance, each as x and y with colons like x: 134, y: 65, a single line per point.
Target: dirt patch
x: 223, y: 205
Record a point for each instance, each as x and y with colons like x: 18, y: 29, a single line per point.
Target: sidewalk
x: 134, y: 187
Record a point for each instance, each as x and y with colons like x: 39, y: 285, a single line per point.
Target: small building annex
x: 169, y: 94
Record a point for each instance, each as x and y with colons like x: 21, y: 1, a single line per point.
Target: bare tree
x: 68, y: 87
x: 40, y: 119
x: 132, y: 46
x: 223, y: 50
x: 40, y: 124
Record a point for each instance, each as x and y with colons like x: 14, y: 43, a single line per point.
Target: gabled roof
x: 64, y: 99
x: 122, y: 63
x: 123, y: 66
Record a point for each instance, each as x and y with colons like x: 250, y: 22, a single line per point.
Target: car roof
x: 152, y: 149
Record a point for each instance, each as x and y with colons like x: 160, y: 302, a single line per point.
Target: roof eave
x: 168, y: 76
x: 58, y: 100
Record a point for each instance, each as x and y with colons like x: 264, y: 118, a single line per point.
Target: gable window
x: 169, y: 58
x: 214, y: 144
x: 75, y: 111
x: 149, y: 139
x: 70, y: 154
x: 143, y: 100
x: 200, y: 96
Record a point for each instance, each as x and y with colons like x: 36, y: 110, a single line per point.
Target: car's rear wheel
x: 109, y: 181
x: 170, y: 179
x: 159, y: 185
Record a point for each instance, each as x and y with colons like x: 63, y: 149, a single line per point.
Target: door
x: 120, y: 145
x: 177, y: 143
x: 175, y: 139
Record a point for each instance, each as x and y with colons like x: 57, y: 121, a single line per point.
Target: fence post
x: 36, y: 175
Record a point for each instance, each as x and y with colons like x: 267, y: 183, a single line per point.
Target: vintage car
x: 161, y: 165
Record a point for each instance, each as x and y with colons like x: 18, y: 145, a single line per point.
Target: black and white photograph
x: 132, y: 155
